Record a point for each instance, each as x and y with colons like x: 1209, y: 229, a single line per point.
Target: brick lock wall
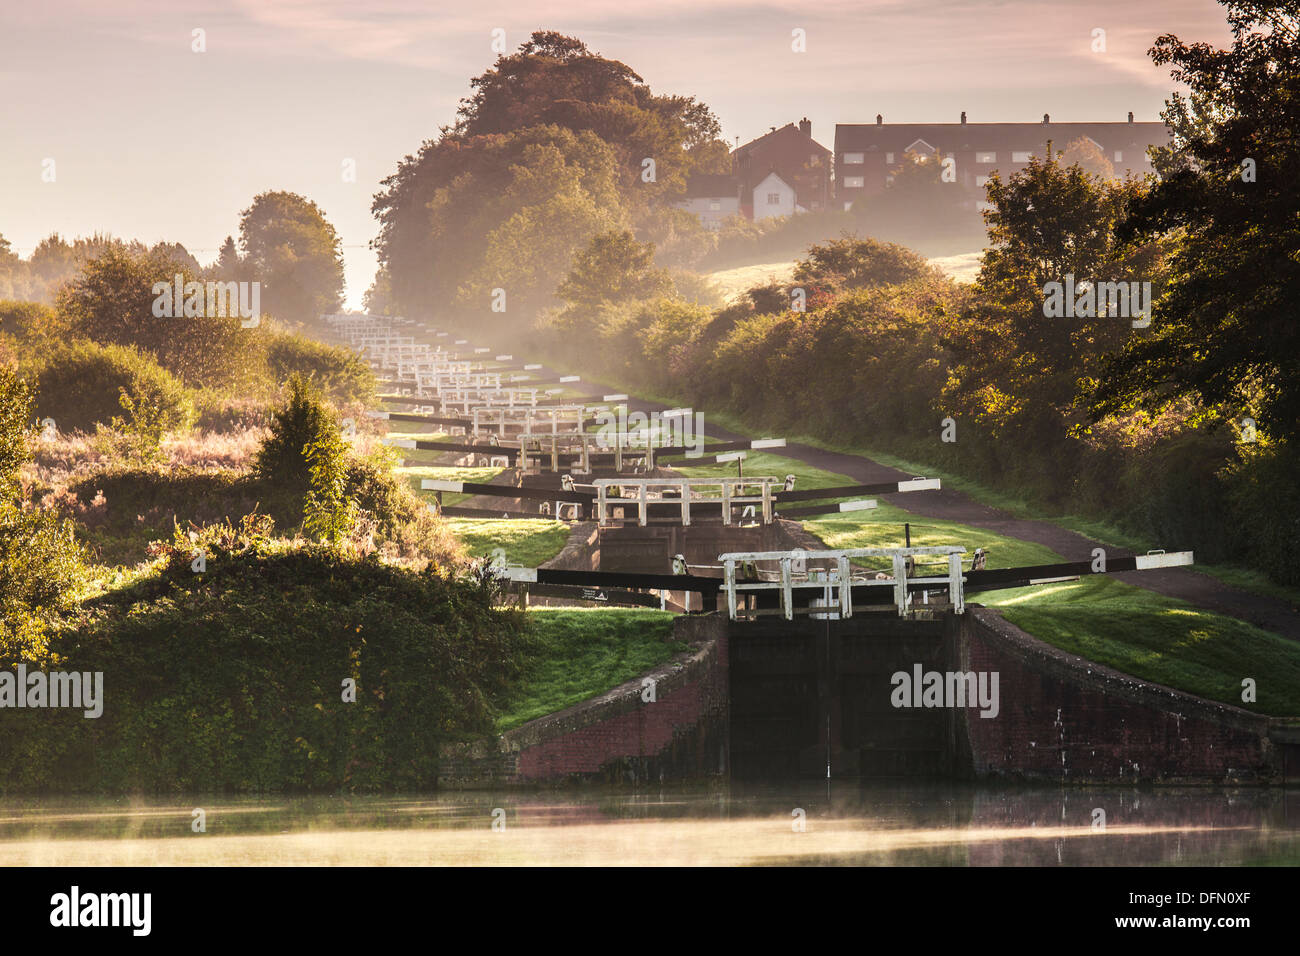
x: 619, y: 737
x: 1069, y: 719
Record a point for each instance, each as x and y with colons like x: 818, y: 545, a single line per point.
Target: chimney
x: 805, y: 127
x: 1046, y: 119
x: 879, y: 119
x: 1130, y: 116
x: 963, y: 117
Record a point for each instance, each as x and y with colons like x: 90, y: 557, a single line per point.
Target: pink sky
x: 154, y: 141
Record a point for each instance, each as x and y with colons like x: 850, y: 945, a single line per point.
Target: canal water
x: 939, y: 824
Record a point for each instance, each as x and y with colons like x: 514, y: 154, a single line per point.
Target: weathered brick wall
x: 1065, y: 718
x: 618, y: 736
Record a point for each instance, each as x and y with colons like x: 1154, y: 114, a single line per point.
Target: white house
x: 712, y: 199
x: 773, y: 196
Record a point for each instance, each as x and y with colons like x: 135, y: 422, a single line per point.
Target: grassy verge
x: 1159, y: 639
x: 414, y: 474
x: 1133, y: 630
x: 883, y: 528
x: 526, y: 541
x: 577, y: 654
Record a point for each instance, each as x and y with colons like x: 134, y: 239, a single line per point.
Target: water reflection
x: 939, y: 824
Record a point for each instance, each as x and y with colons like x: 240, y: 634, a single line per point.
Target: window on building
x: 854, y: 182
x: 986, y: 157
x: 889, y: 158
x: 853, y: 159
x: 1020, y: 156
x: 714, y: 205
x: 980, y: 181
x: 1119, y: 156
x: 774, y: 199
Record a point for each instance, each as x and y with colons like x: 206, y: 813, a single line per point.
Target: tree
x: 613, y: 268
x: 853, y: 263
x: 1016, y: 370
x: 1227, y: 329
x: 553, y: 135
x: 112, y: 302
x: 228, y: 264
x: 294, y: 253
x: 1087, y: 155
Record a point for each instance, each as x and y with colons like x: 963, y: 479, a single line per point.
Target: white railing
x: 535, y: 420
x: 836, y: 582
x: 683, y: 493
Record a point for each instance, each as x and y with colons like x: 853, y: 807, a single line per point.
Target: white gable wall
x: 773, y: 197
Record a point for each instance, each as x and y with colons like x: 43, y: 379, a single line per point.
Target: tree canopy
x: 1227, y: 328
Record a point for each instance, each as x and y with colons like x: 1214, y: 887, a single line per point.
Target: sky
x: 153, y: 140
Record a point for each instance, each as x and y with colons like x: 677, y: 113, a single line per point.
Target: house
x: 712, y: 198
x: 772, y: 196
x: 867, y: 155
x: 802, y: 165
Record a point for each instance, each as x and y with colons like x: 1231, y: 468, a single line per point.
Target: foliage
x: 40, y: 561
x: 1226, y: 330
x: 547, y: 152
x: 1017, y: 371
x: 294, y: 252
x: 613, y: 268
x: 338, y: 371
x: 296, y: 423
x: 328, y: 513
x: 82, y: 384
x: 853, y: 263
x: 112, y: 302
x: 233, y: 679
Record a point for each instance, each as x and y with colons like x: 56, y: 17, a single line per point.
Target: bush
x: 337, y: 371
x: 112, y: 302
x: 295, y: 424
x: 80, y: 385
x: 40, y: 561
x: 1263, y: 491
x: 233, y: 679
x: 33, y: 326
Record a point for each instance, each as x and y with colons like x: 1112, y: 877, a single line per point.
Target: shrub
x: 112, y: 302
x: 337, y: 371
x: 81, y: 385
x: 233, y: 679
x: 329, y: 513
x: 40, y: 561
x: 295, y: 424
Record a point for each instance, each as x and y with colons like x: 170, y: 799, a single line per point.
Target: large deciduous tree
x: 293, y: 251
x: 555, y: 145
x: 1017, y: 370
x: 1227, y: 329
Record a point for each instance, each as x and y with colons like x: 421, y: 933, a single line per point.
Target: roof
x: 896, y: 137
x: 711, y: 185
x: 780, y: 133
x: 768, y: 175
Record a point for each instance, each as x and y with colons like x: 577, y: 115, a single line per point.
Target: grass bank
x: 576, y: 654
